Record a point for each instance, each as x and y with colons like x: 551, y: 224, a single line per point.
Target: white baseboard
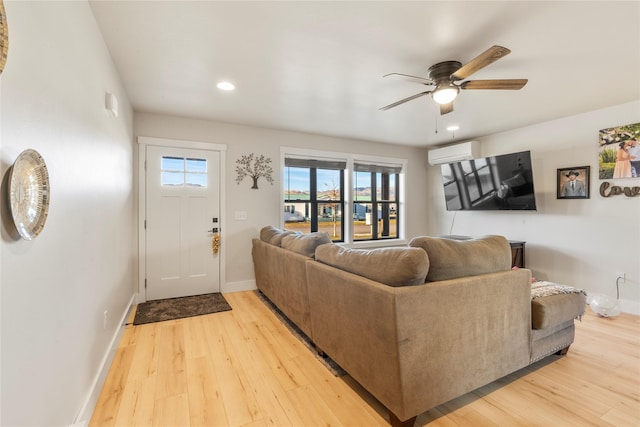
x: 244, y: 285
x: 84, y: 416
x: 629, y: 306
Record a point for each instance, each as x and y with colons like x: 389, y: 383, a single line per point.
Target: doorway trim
x: 143, y: 142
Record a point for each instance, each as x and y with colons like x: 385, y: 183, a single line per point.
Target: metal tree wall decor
x: 255, y: 167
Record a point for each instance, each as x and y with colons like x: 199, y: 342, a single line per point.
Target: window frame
x: 184, y: 172
x: 348, y: 188
x: 380, y: 204
x: 314, y: 202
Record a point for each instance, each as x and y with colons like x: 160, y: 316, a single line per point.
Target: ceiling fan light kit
x: 446, y: 75
x: 445, y: 94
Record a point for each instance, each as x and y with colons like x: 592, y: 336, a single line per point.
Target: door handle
x: 213, y: 230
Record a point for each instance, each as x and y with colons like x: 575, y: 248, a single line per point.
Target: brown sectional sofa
x: 416, y: 326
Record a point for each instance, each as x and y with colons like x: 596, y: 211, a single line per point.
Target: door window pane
x: 178, y: 171
x: 197, y: 165
x: 196, y: 172
x: 175, y: 164
x: 172, y: 178
x: 172, y: 171
x: 196, y: 179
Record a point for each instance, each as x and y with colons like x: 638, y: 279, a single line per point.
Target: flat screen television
x: 502, y: 182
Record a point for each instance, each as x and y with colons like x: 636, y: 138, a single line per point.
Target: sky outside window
x: 298, y: 179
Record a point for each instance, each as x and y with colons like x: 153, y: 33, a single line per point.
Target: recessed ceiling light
x: 453, y: 127
x: 225, y: 86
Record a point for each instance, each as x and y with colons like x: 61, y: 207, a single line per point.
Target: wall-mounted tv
x: 502, y: 182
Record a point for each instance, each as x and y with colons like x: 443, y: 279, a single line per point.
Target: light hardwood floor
x: 244, y: 368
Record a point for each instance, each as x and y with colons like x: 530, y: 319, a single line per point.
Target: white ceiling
x: 317, y: 66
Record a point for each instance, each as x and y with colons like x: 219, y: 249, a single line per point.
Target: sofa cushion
x: 274, y: 235
x: 553, y: 310
x: 305, y: 244
x: 391, y: 266
x: 450, y: 259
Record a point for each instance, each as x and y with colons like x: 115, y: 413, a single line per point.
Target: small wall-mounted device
x: 454, y: 153
x: 111, y: 104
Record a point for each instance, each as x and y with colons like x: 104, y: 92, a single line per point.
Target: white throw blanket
x: 543, y: 288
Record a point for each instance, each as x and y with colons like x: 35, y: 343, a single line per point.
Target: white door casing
x: 177, y: 214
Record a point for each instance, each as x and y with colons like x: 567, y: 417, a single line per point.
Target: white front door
x: 182, y: 207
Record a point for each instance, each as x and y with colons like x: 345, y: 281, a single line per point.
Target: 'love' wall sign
x: 615, y: 190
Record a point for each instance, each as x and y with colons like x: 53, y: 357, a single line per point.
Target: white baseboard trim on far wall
x: 84, y: 416
x: 629, y: 306
x: 244, y: 285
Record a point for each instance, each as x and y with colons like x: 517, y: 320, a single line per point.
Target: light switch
x: 240, y: 215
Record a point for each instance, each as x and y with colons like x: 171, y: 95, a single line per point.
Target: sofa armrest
x: 416, y: 347
x: 460, y: 334
x: 281, y: 275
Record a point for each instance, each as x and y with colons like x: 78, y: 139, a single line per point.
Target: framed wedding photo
x: 573, y: 183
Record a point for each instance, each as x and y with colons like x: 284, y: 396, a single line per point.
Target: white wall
x: 55, y: 288
x: 577, y: 242
x: 263, y: 206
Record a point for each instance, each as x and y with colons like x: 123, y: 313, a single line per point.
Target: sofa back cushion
x: 274, y: 235
x: 450, y: 259
x: 391, y: 266
x: 305, y: 244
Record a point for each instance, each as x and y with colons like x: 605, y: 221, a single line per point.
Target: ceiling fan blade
x: 487, y: 57
x: 446, y: 108
x: 421, y: 80
x: 507, y: 84
x: 402, y: 101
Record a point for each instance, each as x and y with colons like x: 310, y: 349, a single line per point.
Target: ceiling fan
x: 445, y: 77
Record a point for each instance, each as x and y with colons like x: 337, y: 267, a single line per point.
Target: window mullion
x: 342, y: 205
x: 385, y: 206
x: 313, y: 181
x: 374, y: 206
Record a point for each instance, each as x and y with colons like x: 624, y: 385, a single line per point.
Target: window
x: 180, y: 171
x: 375, y: 201
x: 314, y: 196
x: 354, y: 199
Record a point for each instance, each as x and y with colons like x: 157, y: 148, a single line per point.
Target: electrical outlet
x: 105, y: 319
x: 621, y: 275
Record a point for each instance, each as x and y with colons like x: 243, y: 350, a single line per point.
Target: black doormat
x: 179, y: 308
x: 327, y: 361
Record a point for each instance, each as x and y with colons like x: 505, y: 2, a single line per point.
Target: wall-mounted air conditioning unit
x: 454, y: 153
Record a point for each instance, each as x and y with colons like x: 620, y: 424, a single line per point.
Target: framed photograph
x: 619, y: 152
x: 573, y: 183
